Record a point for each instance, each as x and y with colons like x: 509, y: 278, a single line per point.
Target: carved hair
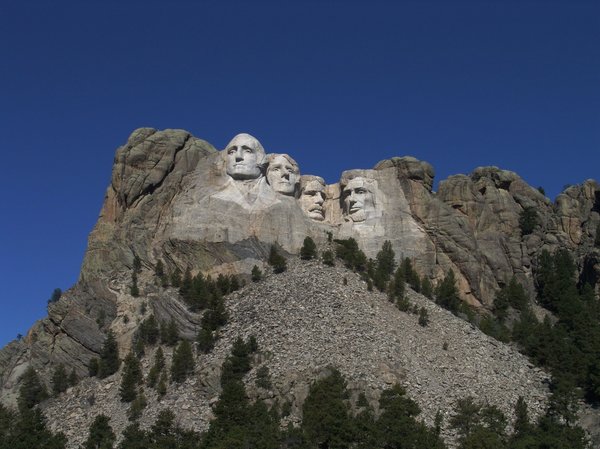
x: 307, y: 179
x: 271, y: 157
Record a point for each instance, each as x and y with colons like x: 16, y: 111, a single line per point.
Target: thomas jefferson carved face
x: 244, y: 154
x: 358, y: 198
x: 312, y: 197
x: 283, y: 174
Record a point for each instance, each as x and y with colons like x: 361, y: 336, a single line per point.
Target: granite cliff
x: 174, y: 198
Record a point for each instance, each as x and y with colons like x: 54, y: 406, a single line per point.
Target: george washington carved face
x: 358, y: 198
x: 243, y: 155
x: 283, y: 174
x: 312, y: 197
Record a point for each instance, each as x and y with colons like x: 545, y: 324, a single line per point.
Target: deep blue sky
x: 337, y: 84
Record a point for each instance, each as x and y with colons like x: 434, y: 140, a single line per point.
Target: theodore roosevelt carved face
x: 312, y: 197
x: 283, y: 174
x: 244, y: 154
x: 358, y: 196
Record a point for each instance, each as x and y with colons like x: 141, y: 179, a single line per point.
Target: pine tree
x: 183, y: 362
x: 157, y: 368
x: 101, y: 435
x: 256, y: 274
x: 60, y: 381
x: 447, y: 294
x: 176, y: 278
x: 109, y: 356
x: 132, y: 376
x: 137, y: 406
x: 93, y: 367
x: 423, y: 317
x: 31, y: 390
x: 308, y: 250
x: 426, y: 287
x: 73, y: 378
x: 328, y: 258
x: 134, y: 289
x: 56, y: 294
x: 277, y: 261
x: 326, y: 418
x: 385, y: 264
x: 528, y: 220
x: 134, y: 438
x: 169, y: 334
x: 161, y: 388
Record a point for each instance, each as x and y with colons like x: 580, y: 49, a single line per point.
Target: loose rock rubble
x: 308, y: 319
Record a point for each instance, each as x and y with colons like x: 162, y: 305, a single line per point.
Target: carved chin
x: 316, y: 215
x: 357, y: 216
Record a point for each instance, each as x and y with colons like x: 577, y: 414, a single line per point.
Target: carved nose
x: 286, y: 176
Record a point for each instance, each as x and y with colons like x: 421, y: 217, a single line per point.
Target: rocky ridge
x: 307, y: 320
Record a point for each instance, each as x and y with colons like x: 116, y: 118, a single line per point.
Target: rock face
x: 176, y: 199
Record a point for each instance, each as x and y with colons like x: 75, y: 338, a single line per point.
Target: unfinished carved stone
x: 312, y: 196
x: 283, y: 174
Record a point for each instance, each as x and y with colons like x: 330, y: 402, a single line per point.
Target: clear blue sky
x: 336, y: 84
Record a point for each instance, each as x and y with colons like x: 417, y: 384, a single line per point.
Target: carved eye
x: 231, y: 150
x: 360, y: 190
x: 247, y: 149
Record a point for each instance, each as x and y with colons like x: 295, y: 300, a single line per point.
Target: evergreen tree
x: 410, y: 275
x: 528, y: 220
x: 397, y: 426
x: 161, y: 276
x: 308, y: 250
x: 397, y: 287
x: 134, y: 289
x: 447, y: 294
x: 73, y: 378
x: 137, y: 406
x: 426, y: 287
x: 176, y: 278
x: 31, y: 390
x: 183, y: 362
x: 327, y: 258
x: 348, y: 251
x: 385, y: 265
x: 597, y: 238
x: 161, y: 388
x: 56, y: 294
x: 93, y: 367
x: 157, y: 368
x: 109, y: 357
x: 326, y: 419
x: 60, y: 380
x: 256, y: 274
x: 277, y: 261
x: 27, y: 430
x: 169, y: 333
x: 134, y: 438
x: 423, y: 317
x: 101, y: 435
x: 132, y: 377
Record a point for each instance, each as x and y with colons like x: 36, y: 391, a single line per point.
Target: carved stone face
x: 283, y: 174
x: 358, y: 198
x: 244, y: 154
x: 312, y: 198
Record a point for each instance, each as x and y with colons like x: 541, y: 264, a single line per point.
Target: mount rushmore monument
x: 176, y: 198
